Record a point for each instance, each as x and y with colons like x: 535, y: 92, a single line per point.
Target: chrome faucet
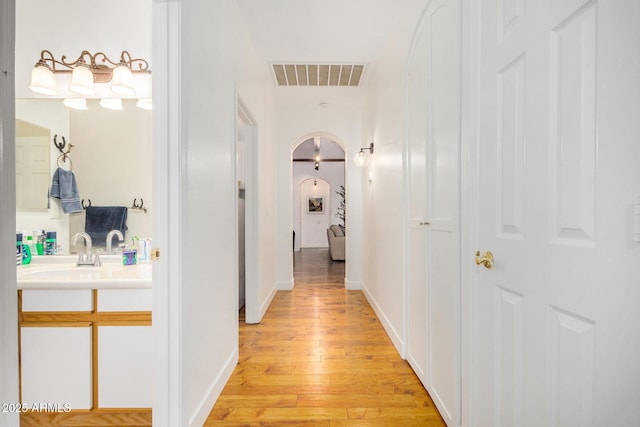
x: 88, y: 258
x: 110, y: 237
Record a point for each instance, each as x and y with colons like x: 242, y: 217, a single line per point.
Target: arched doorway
x: 318, y: 175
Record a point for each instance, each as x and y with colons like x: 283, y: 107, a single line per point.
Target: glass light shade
x: 76, y: 103
x: 144, y: 103
x: 122, y: 81
x: 111, y: 103
x: 82, y: 80
x: 43, y: 80
x: 361, y: 159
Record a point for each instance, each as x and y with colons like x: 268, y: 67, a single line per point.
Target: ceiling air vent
x: 318, y: 74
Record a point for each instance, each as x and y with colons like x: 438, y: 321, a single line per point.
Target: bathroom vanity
x: 85, y: 341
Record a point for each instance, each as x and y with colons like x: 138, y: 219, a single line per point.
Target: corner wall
x: 218, y: 65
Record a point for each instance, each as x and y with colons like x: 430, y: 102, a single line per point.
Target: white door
x: 434, y: 189
x: 554, y: 329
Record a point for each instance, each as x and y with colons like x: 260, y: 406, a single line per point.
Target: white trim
x: 204, y: 407
x: 8, y: 295
x: 267, y: 302
x: 395, y: 337
x: 352, y: 285
x: 167, y: 161
x: 253, y: 306
x: 469, y: 198
x: 285, y: 286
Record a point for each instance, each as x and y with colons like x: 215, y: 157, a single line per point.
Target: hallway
x: 320, y: 357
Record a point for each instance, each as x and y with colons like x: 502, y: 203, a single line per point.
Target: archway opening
x: 318, y: 190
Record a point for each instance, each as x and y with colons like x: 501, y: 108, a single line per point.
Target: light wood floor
x: 320, y: 357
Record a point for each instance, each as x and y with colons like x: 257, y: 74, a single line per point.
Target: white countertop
x: 61, y: 272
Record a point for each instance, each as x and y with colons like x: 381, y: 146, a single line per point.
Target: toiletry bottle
x: 26, y: 254
x: 40, y: 243
x: 19, y: 249
x: 50, y: 243
x: 30, y: 244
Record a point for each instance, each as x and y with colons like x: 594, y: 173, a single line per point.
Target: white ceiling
x: 328, y: 31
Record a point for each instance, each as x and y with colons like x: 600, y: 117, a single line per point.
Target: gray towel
x: 65, y: 188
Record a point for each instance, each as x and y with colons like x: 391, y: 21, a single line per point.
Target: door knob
x: 486, y: 259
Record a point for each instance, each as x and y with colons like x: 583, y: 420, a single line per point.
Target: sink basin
x: 58, y: 275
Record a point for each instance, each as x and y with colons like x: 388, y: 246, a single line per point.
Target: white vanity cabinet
x: 86, y: 351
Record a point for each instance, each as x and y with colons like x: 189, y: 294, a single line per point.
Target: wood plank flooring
x: 320, y: 357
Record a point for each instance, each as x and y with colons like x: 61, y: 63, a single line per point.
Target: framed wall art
x: 315, y: 204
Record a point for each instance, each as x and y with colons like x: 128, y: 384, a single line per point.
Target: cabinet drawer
x: 124, y: 300
x: 57, y: 300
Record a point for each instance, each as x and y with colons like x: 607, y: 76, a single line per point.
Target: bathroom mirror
x: 111, y: 160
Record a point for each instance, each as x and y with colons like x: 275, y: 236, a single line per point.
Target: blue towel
x: 100, y: 220
x: 65, y: 188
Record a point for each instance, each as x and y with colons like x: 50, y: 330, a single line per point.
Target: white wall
x: 333, y: 174
x: 385, y: 187
x: 217, y: 65
x: 293, y: 126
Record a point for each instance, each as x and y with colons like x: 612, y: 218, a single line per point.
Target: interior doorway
x: 247, y: 211
x: 318, y: 183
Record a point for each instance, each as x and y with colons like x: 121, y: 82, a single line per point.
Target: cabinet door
x: 124, y: 367
x: 56, y: 365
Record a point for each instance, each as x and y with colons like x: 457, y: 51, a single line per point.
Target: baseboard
x: 285, y: 286
x: 352, y: 286
x: 205, y: 406
x: 267, y: 302
x: 396, y: 339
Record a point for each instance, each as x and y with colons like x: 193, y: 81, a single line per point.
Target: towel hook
x: 61, y: 148
x: 87, y: 206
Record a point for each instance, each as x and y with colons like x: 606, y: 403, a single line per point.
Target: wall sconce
x: 361, y: 159
x: 87, y: 70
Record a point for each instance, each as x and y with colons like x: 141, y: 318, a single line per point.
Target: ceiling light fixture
x: 86, y: 70
x: 361, y: 159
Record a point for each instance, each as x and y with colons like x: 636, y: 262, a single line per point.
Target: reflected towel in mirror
x: 100, y: 220
x: 65, y: 188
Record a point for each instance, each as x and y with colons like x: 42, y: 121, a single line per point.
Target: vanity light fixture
x: 86, y: 70
x: 144, y: 103
x: 111, y: 103
x: 76, y: 103
x: 361, y: 159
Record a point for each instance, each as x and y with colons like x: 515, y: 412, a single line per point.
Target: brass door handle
x: 486, y: 259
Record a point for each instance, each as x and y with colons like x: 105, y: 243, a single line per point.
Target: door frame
x: 167, y: 172
x: 9, y: 392
x: 469, y: 196
x: 252, y: 260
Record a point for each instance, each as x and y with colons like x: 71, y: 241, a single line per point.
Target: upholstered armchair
x: 336, y: 237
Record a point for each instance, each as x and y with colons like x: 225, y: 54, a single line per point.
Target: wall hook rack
x: 137, y: 206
